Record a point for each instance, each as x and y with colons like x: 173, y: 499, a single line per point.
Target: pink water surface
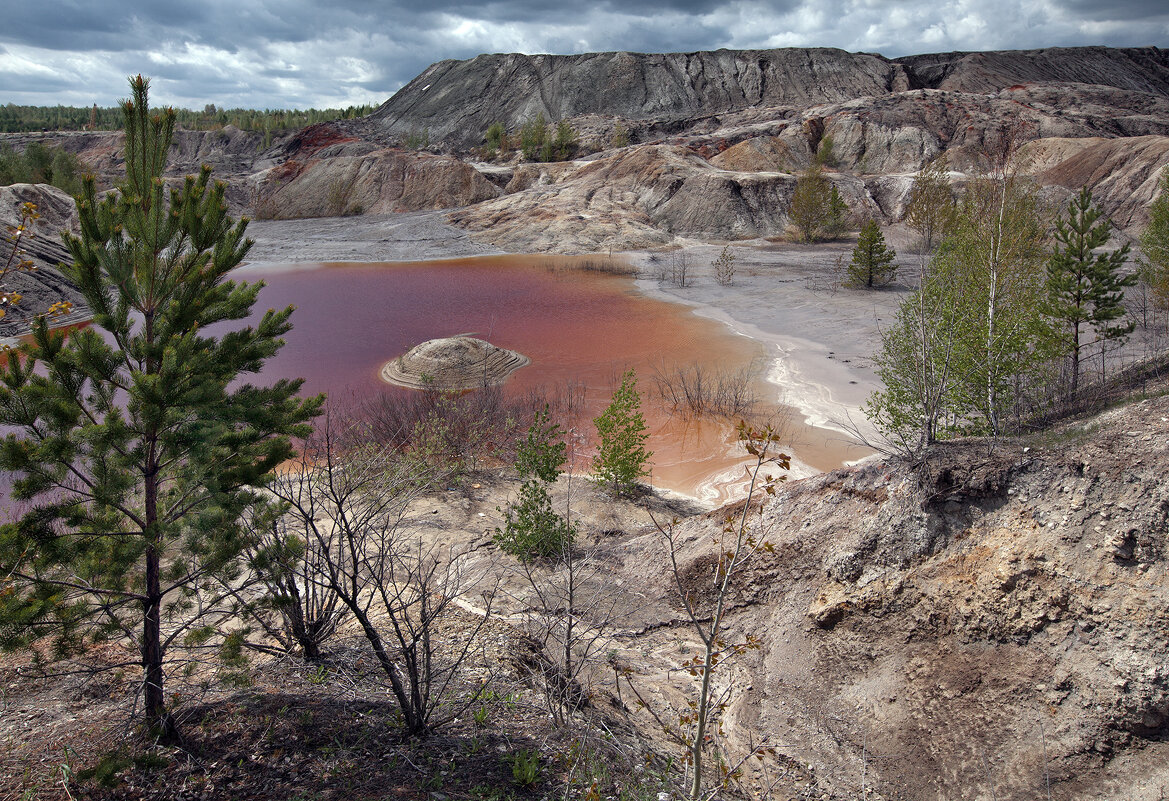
x: 578, y: 326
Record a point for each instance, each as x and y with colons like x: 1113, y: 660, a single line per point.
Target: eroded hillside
x: 715, y: 140
x: 998, y: 621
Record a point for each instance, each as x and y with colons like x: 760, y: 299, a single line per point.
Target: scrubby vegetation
x: 39, y: 163
x: 137, y: 452
x: 995, y: 339
x: 531, y: 527
x: 872, y: 262
x: 537, y: 140
x: 695, y: 391
x: 621, y: 454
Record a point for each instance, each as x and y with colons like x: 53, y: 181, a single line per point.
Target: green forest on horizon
x: 24, y: 119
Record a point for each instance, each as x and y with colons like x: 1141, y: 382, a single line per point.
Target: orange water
x: 576, y: 326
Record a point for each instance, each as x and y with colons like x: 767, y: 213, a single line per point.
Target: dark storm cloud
x: 116, y: 25
x: 1120, y: 10
x: 551, y: 10
x: 299, y: 52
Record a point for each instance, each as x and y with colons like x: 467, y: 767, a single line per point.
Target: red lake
x: 576, y: 326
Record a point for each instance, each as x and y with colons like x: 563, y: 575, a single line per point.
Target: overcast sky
x: 297, y: 53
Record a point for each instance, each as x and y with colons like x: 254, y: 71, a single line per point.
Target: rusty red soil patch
x: 318, y: 136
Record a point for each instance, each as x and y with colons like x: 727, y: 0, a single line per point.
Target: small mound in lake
x: 453, y: 364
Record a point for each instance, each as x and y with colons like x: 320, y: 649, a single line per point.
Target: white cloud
x: 284, y: 53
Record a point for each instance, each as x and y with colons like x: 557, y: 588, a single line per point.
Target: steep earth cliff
x: 456, y: 100
x: 725, y: 131
x: 41, y: 245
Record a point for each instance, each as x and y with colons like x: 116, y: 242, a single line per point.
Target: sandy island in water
x: 820, y: 337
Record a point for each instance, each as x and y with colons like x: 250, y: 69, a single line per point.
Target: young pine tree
x: 137, y: 447
x: 1086, y: 288
x: 621, y: 455
x: 835, y: 221
x: 531, y: 528
x: 872, y: 261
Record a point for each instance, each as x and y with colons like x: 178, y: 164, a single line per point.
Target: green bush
x: 825, y: 154
x: 531, y: 527
x: 872, y: 261
x: 537, y: 145
x: 834, y: 223
x: 565, y: 142
x: 525, y: 767
x: 620, y: 135
x: 533, y: 134
x: 41, y: 164
x: 497, y: 140
x: 621, y: 455
x: 810, y: 205
x: 417, y: 140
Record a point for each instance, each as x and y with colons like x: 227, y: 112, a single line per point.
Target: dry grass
x: 604, y: 264
x: 464, y: 429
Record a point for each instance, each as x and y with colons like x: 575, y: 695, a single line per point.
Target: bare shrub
x: 695, y: 390
x: 705, y: 603
x: 675, y: 268
x: 606, y: 265
x: 300, y: 615
x: 337, y: 197
x: 345, y: 506
x: 462, y: 430
x: 265, y: 206
x: 569, y: 602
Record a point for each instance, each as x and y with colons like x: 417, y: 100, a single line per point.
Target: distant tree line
x: 19, y: 119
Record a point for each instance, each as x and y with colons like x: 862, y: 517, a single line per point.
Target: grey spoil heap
x: 452, y: 364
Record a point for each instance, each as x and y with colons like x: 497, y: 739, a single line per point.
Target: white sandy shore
x: 820, y: 337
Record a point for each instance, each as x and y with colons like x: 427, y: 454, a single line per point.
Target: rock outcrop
x: 453, y: 364
x: 1124, y: 174
x: 756, y: 117
x: 1137, y: 69
x: 717, y: 139
x: 455, y: 101
x: 643, y: 197
x: 360, y: 178
x: 44, y: 286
